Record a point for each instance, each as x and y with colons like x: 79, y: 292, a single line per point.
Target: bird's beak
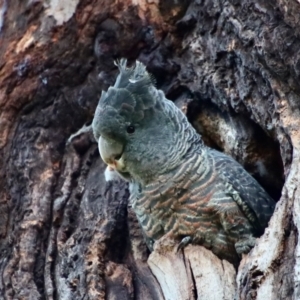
x: 110, y: 151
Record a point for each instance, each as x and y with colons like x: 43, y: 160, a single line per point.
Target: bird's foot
x: 165, y: 244
x: 184, y: 242
x: 245, y: 245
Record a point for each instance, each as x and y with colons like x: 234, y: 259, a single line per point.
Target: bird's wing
x: 246, y: 191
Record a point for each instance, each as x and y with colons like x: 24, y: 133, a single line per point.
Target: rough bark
x: 232, y: 66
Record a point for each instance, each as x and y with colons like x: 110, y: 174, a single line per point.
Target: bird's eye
x: 130, y: 129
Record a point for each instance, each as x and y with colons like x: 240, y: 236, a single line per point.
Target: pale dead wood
x: 195, y: 273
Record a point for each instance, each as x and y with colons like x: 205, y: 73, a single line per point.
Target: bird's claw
x: 185, y: 241
x: 244, y: 246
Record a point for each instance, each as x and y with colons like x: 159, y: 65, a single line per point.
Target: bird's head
x: 135, y: 125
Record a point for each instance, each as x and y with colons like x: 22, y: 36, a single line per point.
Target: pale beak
x: 110, y: 151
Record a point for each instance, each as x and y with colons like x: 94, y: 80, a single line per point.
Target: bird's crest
x: 133, y: 78
x: 131, y: 94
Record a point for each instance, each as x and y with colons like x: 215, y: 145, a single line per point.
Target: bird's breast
x: 178, y: 203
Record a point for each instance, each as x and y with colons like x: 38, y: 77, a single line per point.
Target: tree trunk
x: 234, y: 69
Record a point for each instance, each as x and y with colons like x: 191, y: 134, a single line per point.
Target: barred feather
x: 179, y: 187
x: 194, y: 200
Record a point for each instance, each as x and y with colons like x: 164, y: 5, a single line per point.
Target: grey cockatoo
x: 180, y: 189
